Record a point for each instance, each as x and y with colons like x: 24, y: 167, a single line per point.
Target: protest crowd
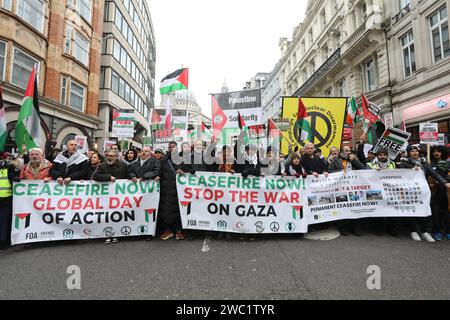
x: 71, y: 165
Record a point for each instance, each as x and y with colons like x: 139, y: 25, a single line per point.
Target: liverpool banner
x: 83, y: 210
x: 231, y: 203
x: 367, y: 193
x: 326, y: 117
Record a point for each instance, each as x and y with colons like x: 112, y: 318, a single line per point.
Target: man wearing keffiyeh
x: 70, y: 165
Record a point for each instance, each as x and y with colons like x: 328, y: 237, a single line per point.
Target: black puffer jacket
x: 75, y: 172
x: 169, y: 212
x: 105, y: 171
x: 149, y: 170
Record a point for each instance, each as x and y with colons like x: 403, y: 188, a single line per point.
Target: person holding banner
x: 145, y: 168
x: 392, y: 225
x: 7, y: 175
x: 439, y: 197
x: 271, y: 165
x: 131, y: 156
x: 96, y: 160
x: 38, y: 168
x: 294, y: 167
x: 70, y: 165
x: 347, y: 161
x: 414, y: 161
x: 112, y: 169
x: 312, y: 164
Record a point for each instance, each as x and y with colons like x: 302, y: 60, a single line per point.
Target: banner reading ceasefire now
x: 83, y: 210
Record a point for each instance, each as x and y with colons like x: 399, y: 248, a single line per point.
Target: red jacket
x: 27, y: 174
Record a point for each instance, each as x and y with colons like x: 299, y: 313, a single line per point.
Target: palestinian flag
x: 370, y: 110
x: 150, y: 213
x: 175, y: 81
x: 3, y: 129
x: 303, y: 122
x: 28, y: 124
x: 219, y: 118
x: 22, y: 221
x: 272, y: 129
x: 297, y: 212
x: 369, y: 129
x: 205, y: 132
x: 352, y: 112
x: 243, y: 128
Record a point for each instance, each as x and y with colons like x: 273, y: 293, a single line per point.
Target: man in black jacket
x: 70, y: 165
x: 313, y: 165
x: 145, y: 168
x: 112, y: 169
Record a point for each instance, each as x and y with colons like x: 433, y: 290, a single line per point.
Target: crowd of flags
x: 27, y: 130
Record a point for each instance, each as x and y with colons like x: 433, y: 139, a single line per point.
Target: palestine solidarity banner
x: 225, y: 108
x: 231, y: 203
x: 326, y: 118
x: 367, y: 193
x: 83, y: 210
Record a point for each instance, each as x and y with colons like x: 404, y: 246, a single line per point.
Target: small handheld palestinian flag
x: 243, y: 127
x: 303, y: 123
x: 178, y: 80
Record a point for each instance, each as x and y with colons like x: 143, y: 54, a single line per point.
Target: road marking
x: 205, y: 247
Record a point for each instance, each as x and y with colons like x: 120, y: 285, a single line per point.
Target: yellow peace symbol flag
x: 326, y: 118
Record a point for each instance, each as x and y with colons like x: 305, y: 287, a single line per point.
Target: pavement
x: 284, y: 267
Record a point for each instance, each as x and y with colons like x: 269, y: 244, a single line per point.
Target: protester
x: 249, y: 164
x: 334, y: 153
x: 294, y: 167
x: 145, y: 168
x: 439, y: 197
x: 346, y: 162
x: 419, y: 226
x: 37, y: 168
x: 391, y: 225
x: 131, y: 156
x: 271, y: 165
x: 158, y: 153
x: 94, y: 163
x: 318, y: 154
x: 70, y: 165
x: 226, y: 162
x: 312, y: 164
x: 112, y: 169
x: 169, y: 210
x: 7, y: 176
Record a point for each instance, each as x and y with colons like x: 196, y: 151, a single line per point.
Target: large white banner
x: 230, y: 203
x: 367, y: 193
x: 83, y: 210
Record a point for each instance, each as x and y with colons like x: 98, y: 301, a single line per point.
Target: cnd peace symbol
x: 320, y: 138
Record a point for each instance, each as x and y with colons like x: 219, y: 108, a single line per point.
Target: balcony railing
x: 402, y: 13
x: 324, y: 68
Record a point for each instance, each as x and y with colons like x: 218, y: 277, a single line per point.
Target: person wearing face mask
x: 419, y: 227
x: 347, y: 162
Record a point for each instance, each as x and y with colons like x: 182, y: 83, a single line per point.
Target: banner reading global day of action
x: 231, y: 203
x: 326, y: 116
x: 83, y: 210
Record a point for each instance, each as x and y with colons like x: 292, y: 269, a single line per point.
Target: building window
x: 341, y: 89
x: 68, y: 40
x: 77, y: 96
x: 7, y: 4
x: 32, y: 11
x: 371, y: 82
x: 409, y: 57
x: 83, y: 7
x: 73, y: 94
x: 81, y: 49
x: 2, y: 60
x: 64, y: 82
x: 439, y: 34
x: 22, y: 66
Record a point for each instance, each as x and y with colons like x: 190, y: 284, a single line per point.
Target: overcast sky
x: 217, y: 40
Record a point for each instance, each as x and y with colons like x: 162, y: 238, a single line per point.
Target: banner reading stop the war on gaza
x: 231, y: 203
x: 367, y: 193
x: 326, y: 118
x: 83, y: 210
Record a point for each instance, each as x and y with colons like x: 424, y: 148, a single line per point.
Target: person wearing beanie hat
x: 391, y: 225
x: 414, y: 161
